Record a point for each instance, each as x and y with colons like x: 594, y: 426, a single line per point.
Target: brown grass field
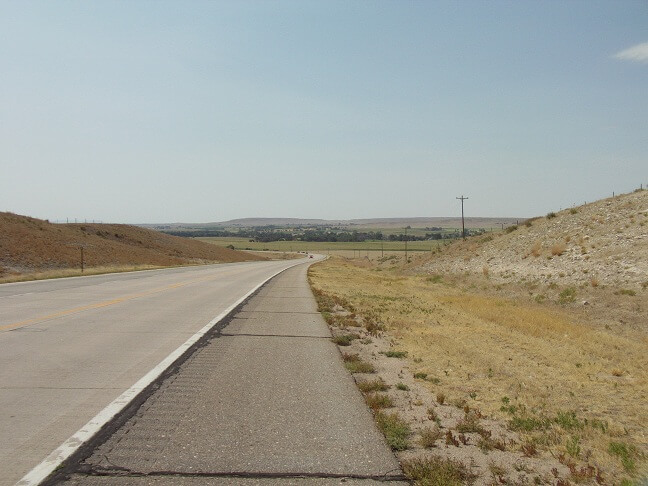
x: 575, y: 391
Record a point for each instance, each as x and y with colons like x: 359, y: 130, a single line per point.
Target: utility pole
x: 463, y: 227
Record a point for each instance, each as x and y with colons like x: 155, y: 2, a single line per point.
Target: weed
x: 626, y: 454
x: 395, y: 354
x: 395, y: 430
x: 367, y: 386
x: 496, y: 470
x: 354, y: 364
x: 511, y: 229
x: 567, y: 296
x: 573, y: 211
x: 528, y: 424
x: 450, y: 439
x: 551, y: 215
x: 420, y: 375
x: 374, y: 328
x: 437, y: 471
x: 470, y: 424
x: 429, y: 436
x: 377, y: 401
x: 529, y: 449
x: 345, y: 339
x: 568, y: 420
x: 558, y: 249
x: 432, y: 415
x: 402, y: 386
x: 573, y: 446
x: 629, y: 292
x: 440, y: 398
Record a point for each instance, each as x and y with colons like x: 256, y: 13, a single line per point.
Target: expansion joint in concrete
x: 120, y: 472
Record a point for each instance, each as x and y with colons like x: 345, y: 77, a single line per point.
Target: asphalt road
x: 263, y: 401
x: 70, y: 347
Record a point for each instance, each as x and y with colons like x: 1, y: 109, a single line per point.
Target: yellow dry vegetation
x: 571, y: 387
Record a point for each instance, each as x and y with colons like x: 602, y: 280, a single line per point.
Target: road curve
x: 69, y: 347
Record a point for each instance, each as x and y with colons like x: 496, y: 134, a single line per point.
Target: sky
x: 201, y: 111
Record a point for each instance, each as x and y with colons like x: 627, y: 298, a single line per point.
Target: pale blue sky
x: 150, y: 111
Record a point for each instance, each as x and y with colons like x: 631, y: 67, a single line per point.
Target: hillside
x: 605, y: 242
x: 29, y: 245
x: 595, y: 255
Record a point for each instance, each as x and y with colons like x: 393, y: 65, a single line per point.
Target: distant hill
x: 422, y: 222
x: 29, y: 245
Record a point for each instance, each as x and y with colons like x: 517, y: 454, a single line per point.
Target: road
x: 265, y: 401
x: 69, y: 347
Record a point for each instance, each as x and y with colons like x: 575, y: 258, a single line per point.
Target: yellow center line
x: 98, y: 305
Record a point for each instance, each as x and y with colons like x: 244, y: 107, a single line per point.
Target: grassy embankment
x: 577, y: 392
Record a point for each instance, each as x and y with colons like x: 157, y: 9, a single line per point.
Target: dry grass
x: 558, y: 249
x: 541, y: 363
x: 36, y: 248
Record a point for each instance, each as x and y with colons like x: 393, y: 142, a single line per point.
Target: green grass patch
x: 395, y: 430
x: 437, y: 471
x: 626, y: 454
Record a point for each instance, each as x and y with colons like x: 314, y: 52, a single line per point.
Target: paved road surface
x: 266, y: 400
x: 69, y: 347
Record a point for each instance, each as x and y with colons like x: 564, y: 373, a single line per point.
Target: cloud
x: 638, y: 53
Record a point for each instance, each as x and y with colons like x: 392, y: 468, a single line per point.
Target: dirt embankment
x: 29, y: 245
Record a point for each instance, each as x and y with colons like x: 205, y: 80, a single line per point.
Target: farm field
x: 371, y: 249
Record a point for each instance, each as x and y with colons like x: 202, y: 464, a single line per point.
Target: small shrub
x: 437, y: 471
x: 573, y: 211
x: 377, y: 401
x: 402, y: 387
x: 551, y: 215
x: 511, y: 229
x: 440, y: 398
x: 429, y: 436
x: 395, y: 430
x: 434, y: 279
x: 372, y: 385
x: 420, y: 375
x: 396, y: 354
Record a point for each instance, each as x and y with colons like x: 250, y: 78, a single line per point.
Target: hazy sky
x: 152, y: 111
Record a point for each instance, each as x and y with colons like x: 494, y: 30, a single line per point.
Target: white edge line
x: 85, y: 433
